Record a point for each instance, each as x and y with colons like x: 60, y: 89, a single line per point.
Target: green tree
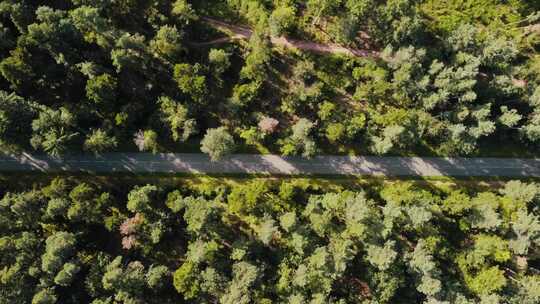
x: 142, y: 199
x: 184, y: 11
x: 45, y: 296
x: 16, y: 115
x: 99, y: 141
x: 382, y: 256
x: 129, y: 53
x: 59, y: 248
x: 167, y: 43
x: 53, y: 131
x: 17, y: 68
x: 239, y: 290
x: 185, y: 280
x: 258, y: 57
x: 217, y: 143
x: 92, y: 26
x: 335, y: 132
x: 526, y: 228
x: 219, y: 61
x: 487, y: 281
x: 175, y: 115
x: 57, y: 207
x: 300, y: 139
x: 88, y: 204
x: 281, y: 20
x: 102, y: 91
x: 509, y: 118
x: 157, y: 277
x: 128, y: 284
x: 191, y: 81
x: 67, y: 274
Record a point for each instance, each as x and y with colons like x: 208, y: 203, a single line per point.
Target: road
x: 240, y: 32
x: 276, y: 165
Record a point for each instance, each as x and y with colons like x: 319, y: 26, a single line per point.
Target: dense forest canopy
x: 423, y: 77
x: 267, y: 241
x: 447, y: 77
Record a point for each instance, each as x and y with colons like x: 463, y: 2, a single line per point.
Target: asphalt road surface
x: 273, y: 164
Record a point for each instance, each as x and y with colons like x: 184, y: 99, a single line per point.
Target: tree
x: 99, y: 141
x: 53, y: 131
x: 392, y: 135
x: 326, y: 110
x: 167, y: 44
x: 520, y: 191
x: 183, y: 10
x: 281, y: 20
x: 217, y: 143
x: 268, y: 125
x: 185, y: 281
x: 267, y: 230
x: 335, y: 132
x: 129, y: 53
x: 487, y: 281
x: 509, y: 118
x: 526, y: 228
x: 88, y: 204
x: 127, y: 283
x: 244, y: 94
x: 157, y: 276
x: 59, y: 247
x: 346, y: 29
x: 258, y: 57
x: 102, y: 91
x: 92, y: 26
x: 191, y: 81
x: 67, y: 274
x: 248, y: 198
x: 57, y: 207
x: 45, y: 296
x: 146, y: 140
x: 17, y: 69
x: 484, y: 213
x: 528, y: 292
x: 300, y: 139
x: 16, y: 115
x: 219, y: 61
x: 142, y: 199
x: 252, y: 136
x: 422, y: 262
x: 382, y: 257
x: 175, y: 115
x: 239, y: 290
x: 531, y: 130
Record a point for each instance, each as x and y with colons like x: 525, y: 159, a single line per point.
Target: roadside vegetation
x: 451, y: 78
x: 72, y: 240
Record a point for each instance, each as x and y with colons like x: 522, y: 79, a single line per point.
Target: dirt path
x: 239, y: 32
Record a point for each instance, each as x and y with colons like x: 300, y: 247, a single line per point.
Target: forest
x: 287, y: 77
x: 445, y: 77
x: 269, y: 241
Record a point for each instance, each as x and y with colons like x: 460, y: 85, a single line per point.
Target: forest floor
x: 274, y: 165
x: 236, y: 32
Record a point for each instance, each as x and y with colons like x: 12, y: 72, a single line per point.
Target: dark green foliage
x: 16, y: 115
x: 446, y: 77
x: 102, y: 90
x: 270, y: 241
